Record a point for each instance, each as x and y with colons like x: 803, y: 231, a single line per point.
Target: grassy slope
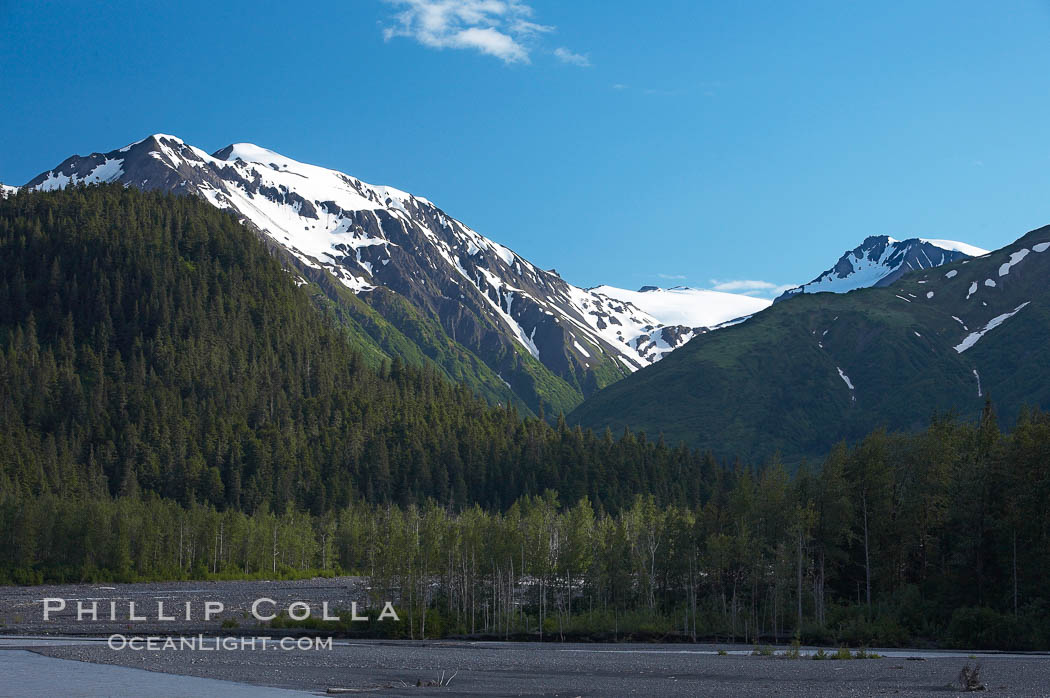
x: 403, y: 332
x: 387, y: 325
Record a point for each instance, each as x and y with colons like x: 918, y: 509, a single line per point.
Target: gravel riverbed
x: 405, y: 668
x: 531, y: 669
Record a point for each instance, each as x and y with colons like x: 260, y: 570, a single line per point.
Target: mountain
x: 802, y: 375
x: 411, y: 280
x: 880, y: 260
x: 682, y: 313
x: 149, y: 344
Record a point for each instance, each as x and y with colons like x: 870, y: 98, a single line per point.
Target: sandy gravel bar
x: 531, y: 669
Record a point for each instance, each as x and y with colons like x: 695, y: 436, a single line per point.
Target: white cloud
x: 500, y: 28
x: 672, y: 277
x: 750, y: 287
x: 566, y: 56
x: 490, y: 41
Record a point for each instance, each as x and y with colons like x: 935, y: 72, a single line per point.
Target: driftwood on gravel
x: 971, y: 678
x: 441, y: 682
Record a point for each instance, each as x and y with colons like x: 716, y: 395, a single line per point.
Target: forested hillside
x: 940, y: 537
x: 151, y: 344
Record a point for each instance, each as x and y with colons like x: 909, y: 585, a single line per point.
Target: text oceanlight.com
x: 201, y: 643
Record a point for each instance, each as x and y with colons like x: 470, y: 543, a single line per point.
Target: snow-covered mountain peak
x: 155, y: 139
x: 880, y: 260
x: 369, y: 237
x: 154, y: 142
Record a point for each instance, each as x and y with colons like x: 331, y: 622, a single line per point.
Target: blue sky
x: 623, y: 143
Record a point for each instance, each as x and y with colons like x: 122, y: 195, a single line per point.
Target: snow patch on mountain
x: 107, y: 171
x: 974, y: 337
x: 1015, y: 259
x: 955, y: 246
x: 689, y: 307
x: 848, y: 382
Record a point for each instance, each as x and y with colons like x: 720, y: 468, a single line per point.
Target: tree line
x: 941, y: 536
